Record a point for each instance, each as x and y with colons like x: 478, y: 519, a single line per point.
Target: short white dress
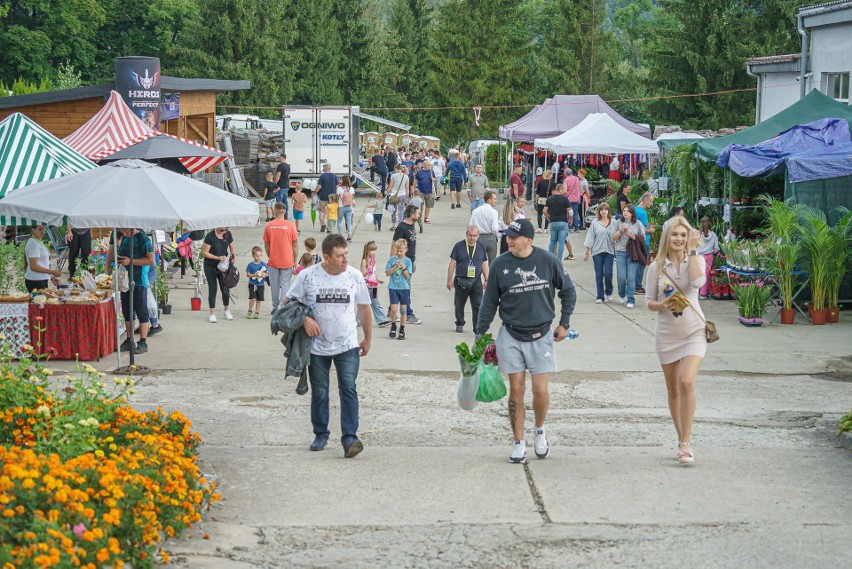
x: 677, y: 337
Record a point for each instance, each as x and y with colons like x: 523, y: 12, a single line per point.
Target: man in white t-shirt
x: 334, y: 291
x: 438, y: 166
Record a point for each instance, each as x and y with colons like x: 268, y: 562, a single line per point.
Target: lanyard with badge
x: 471, y: 269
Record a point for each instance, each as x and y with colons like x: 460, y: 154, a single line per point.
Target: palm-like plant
x: 785, y: 248
x: 818, y: 248
x: 840, y: 234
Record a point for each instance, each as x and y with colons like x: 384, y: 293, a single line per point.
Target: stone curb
x: 845, y: 440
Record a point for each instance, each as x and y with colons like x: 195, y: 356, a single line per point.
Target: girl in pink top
x: 368, y: 269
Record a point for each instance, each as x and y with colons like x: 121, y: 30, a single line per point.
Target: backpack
x: 231, y: 277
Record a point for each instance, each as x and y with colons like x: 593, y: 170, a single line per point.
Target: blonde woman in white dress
x: 680, y: 340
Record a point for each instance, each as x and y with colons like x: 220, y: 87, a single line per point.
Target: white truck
x: 315, y: 136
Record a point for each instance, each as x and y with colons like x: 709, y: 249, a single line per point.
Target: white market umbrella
x: 130, y: 193
x: 598, y: 133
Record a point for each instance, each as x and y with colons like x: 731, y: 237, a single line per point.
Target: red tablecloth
x: 84, y: 331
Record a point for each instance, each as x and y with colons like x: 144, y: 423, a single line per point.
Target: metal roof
x: 91, y: 91
x: 826, y: 13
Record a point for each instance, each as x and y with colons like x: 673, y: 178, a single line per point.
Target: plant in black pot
x: 161, y: 291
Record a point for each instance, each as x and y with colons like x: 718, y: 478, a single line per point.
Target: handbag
x: 465, y: 283
x: 710, y: 332
x: 394, y: 200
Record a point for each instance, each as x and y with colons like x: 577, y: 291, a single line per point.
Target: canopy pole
x: 116, y: 299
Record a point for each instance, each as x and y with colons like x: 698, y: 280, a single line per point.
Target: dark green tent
x: 814, y: 106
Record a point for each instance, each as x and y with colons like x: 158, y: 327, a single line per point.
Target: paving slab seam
x: 536, y: 496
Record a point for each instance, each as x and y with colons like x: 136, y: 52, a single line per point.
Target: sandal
x: 684, y: 454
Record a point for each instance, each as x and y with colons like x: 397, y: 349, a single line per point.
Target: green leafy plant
x: 818, y: 248
x: 11, y: 268
x: 161, y: 288
x: 845, y: 424
x: 470, y: 359
x: 752, y: 298
x: 785, y: 249
x: 841, y: 234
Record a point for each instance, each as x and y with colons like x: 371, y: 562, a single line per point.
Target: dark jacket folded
x: 290, y: 321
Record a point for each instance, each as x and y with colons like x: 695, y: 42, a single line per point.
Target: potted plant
x: 195, y: 301
x: 161, y: 292
x: 818, y: 252
x: 841, y: 233
x: 784, y: 252
x: 752, y: 298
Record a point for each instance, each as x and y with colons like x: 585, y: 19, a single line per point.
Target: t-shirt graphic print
x: 333, y: 300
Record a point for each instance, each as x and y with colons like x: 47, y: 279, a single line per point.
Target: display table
x: 15, y: 325
x: 766, y: 276
x: 73, y: 331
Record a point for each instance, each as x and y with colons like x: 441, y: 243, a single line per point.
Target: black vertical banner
x: 137, y: 79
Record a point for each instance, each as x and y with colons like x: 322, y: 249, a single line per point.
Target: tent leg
x: 116, y: 298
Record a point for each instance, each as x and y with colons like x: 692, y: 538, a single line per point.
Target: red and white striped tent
x: 115, y: 127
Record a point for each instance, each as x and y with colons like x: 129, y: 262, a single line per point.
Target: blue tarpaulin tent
x: 834, y: 162
x: 764, y: 158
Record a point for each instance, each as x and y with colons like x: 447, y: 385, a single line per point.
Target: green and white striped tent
x: 29, y: 154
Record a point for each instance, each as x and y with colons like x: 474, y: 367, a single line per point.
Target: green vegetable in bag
x: 469, y: 360
x: 491, y: 384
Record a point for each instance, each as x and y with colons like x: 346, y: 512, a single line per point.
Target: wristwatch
x: 693, y: 253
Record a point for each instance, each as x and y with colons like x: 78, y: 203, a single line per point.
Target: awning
x: 29, y: 154
x: 598, y: 133
x: 380, y: 120
x: 115, y: 128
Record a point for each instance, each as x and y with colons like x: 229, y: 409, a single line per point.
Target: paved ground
x: 433, y: 487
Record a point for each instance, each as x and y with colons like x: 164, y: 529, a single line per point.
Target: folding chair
x: 59, y: 244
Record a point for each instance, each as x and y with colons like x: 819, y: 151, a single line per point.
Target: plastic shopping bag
x: 467, y: 388
x: 491, y: 384
x: 123, y: 279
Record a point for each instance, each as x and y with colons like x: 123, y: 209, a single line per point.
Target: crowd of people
x: 495, y: 269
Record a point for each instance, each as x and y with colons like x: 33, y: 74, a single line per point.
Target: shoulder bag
x: 710, y: 331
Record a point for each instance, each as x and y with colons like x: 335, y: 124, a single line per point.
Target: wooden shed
x: 63, y: 112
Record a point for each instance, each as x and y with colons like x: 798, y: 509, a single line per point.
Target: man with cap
x: 522, y: 285
x: 326, y: 186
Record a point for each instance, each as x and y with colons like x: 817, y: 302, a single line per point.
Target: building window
x: 836, y: 86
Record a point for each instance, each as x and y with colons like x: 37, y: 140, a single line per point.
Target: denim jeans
x: 345, y: 214
x: 640, y: 269
x: 603, y: 274
x: 558, y: 235
x: 575, y: 207
x: 476, y: 203
x: 626, y: 275
x: 376, y: 306
x: 346, y: 364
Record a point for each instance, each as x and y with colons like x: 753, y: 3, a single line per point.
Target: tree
x: 702, y: 46
x: 35, y: 33
x: 316, y: 81
x: 479, y: 59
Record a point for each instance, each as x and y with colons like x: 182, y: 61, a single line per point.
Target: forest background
x: 418, y: 55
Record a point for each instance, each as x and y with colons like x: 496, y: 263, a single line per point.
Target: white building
x: 826, y: 57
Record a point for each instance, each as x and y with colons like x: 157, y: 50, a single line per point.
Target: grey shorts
x: 515, y: 356
x: 428, y: 200
x: 270, y: 203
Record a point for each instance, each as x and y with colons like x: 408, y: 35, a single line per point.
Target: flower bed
x: 85, y: 479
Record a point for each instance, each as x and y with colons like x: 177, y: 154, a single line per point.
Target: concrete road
x: 433, y: 487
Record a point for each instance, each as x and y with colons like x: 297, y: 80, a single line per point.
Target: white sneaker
x: 228, y: 315
x: 629, y: 305
x: 542, y: 449
x: 609, y: 298
x: 598, y: 301
x: 519, y: 453
x: 622, y: 299
x: 212, y: 319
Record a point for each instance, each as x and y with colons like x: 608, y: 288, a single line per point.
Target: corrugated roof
x: 769, y: 59
x: 825, y: 6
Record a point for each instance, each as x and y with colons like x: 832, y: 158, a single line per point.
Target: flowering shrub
x: 86, y: 480
x: 752, y: 297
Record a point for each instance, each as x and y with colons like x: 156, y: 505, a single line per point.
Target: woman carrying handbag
x: 681, y: 336
x: 543, y: 190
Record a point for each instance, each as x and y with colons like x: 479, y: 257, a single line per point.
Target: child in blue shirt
x: 399, y: 270
x: 256, y: 271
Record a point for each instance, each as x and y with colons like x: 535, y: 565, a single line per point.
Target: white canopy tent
x: 598, y: 133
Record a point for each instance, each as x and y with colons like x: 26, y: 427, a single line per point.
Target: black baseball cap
x: 521, y: 228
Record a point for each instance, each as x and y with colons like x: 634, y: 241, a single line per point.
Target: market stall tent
x: 116, y: 128
x: 561, y: 113
x: 813, y: 107
x: 29, y: 154
x: 598, y: 133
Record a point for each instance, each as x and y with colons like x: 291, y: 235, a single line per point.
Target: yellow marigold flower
x: 28, y: 484
x: 99, y: 453
x: 8, y: 513
x: 103, y: 554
